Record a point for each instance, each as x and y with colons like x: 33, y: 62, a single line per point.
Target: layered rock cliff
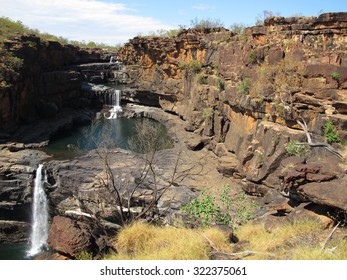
x: 248, y: 96
x: 43, y: 84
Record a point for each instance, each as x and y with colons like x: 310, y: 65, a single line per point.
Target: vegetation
x: 237, y: 28
x: 331, y: 134
x: 142, y: 241
x: 202, y: 79
x: 300, y: 240
x: 208, y: 210
x: 10, y: 28
x: 220, y: 85
x: 260, y: 19
x: 298, y: 149
x: 206, y: 23
x: 278, y: 80
x: 244, y: 86
x: 253, y: 56
x: 335, y: 76
x: 194, y: 66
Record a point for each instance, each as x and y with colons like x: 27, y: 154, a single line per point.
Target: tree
x: 206, y: 23
x: 260, y: 19
x: 148, y: 142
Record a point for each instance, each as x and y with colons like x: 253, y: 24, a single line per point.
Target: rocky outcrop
x: 44, y: 85
x: 242, y: 94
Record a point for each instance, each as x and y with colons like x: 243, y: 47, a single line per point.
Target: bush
x: 331, y: 134
x: 335, y: 76
x: 220, y: 85
x: 253, y: 56
x: 244, y: 86
x: 208, y: 210
x: 195, y: 66
x: 298, y: 149
x: 207, y: 113
x: 202, y: 79
x: 206, y: 23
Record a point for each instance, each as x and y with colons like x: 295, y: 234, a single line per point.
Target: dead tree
x: 316, y: 144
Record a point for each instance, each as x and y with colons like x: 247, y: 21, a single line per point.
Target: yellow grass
x: 301, y: 241
x: 147, y: 242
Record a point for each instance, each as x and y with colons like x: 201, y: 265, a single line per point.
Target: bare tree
x: 148, y: 140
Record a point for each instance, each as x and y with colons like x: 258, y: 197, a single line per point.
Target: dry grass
x: 302, y: 240
x: 147, y: 242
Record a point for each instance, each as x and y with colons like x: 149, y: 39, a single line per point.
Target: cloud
x: 204, y: 7
x: 89, y: 20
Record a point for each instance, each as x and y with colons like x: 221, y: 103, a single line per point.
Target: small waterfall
x: 115, y: 99
x: 39, y: 229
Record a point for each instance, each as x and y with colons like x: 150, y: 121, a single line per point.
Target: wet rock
x: 14, y: 231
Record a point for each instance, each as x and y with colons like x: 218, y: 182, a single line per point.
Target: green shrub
x: 208, y: 210
x: 182, y: 65
x: 195, y: 66
x: 298, y: 149
x: 207, y: 113
x: 220, y: 85
x: 13, y: 62
x: 244, y: 86
x: 253, y: 56
x: 335, y: 76
x: 84, y: 255
x: 202, y: 79
x: 331, y: 134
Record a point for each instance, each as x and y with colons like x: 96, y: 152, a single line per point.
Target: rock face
x: 44, y: 85
x: 242, y: 94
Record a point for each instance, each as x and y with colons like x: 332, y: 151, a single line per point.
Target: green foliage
x: 13, y: 62
x: 182, y: 65
x: 237, y: 28
x: 202, y: 79
x: 206, y: 23
x: 194, y: 66
x: 335, y: 76
x: 253, y: 56
x: 298, y: 149
x: 220, y: 85
x: 331, y: 134
x: 84, y: 255
x: 207, y: 113
x: 208, y: 210
x: 244, y: 86
x: 10, y: 28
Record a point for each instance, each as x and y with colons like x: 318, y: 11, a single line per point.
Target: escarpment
x: 248, y: 97
x: 268, y: 106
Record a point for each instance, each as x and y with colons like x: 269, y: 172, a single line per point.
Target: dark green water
x: 113, y: 133
x: 13, y: 251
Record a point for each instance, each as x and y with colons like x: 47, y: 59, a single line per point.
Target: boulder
x: 228, y: 165
x: 332, y: 193
x: 69, y: 237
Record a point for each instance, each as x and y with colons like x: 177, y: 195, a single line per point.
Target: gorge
x: 252, y: 110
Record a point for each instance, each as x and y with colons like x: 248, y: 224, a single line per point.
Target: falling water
x: 116, y: 104
x: 39, y: 230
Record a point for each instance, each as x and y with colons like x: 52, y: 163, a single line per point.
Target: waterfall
x: 115, y: 99
x: 39, y: 228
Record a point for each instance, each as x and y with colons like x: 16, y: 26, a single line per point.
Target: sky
x: 116, y: 21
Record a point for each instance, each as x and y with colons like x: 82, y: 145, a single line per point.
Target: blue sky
x: 113, y: 21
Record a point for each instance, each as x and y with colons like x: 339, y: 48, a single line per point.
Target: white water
x: 39, y: 228
x: 115, y: 98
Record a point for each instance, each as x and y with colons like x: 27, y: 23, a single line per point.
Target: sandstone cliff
x: 243, y: 94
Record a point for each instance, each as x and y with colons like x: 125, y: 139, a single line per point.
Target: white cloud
x: 89, y: 20
x: 204, y: 7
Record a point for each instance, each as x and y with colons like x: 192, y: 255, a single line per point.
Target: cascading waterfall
x: 115, y: 99
x: 39, y: 229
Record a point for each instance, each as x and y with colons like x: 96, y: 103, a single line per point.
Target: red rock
x: 69, y: 237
